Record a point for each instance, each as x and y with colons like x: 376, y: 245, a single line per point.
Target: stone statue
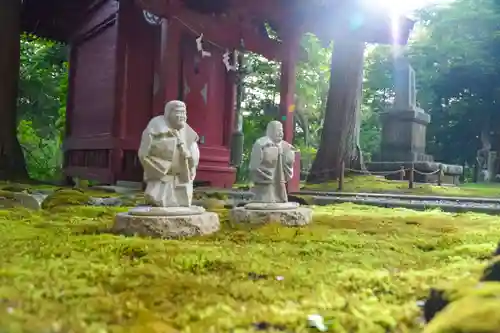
x: 169, y: 155
x: 483, y: 158
x: 271, y: 165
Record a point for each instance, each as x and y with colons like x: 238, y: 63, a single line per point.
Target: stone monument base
x: 289, y: 214
x: 452, y: 173
x: 166, y: 222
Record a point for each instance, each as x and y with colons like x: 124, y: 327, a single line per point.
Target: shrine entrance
x: 202, y: 84
x: 199, y: 86
x: 130, y: 57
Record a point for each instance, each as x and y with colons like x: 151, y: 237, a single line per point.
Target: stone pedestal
x: 404, y: 130
x: 289, y: 214
x: 403, y: 145
x: 166, y: 223
x: 404, y: 135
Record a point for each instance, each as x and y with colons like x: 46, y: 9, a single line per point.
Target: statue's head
x: 275, y: 131
x: 175, y: 114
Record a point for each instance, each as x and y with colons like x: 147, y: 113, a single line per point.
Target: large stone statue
x: 169, y: 155
x: 271, y: 165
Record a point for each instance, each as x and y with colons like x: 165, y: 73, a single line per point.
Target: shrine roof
x: 53, y: 19
x: 327, y: 19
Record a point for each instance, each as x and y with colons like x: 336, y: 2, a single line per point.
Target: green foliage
x: 455, y: 51
x: 362, y: 268
x: 43, y: 88
x: 43, y: 154
x: 457, y: 55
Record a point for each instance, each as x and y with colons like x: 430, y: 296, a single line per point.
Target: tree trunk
x: 340, y: 135
x: 12, y: 163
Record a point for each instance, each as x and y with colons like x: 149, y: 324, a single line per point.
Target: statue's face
x: 276, y: 133
x: 178, y: 117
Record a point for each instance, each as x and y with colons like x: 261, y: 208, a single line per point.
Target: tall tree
x: 340, y: 136
x: 12, y: 163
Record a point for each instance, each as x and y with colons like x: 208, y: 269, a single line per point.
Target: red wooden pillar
x: 160, y: 69
x: 119, y: 117
x: 11, y: 156
x: 287, y: 96
x: 230, y: 108
x: 171, y: 60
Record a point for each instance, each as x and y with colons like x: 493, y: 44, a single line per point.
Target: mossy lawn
x: 373, y: 184
x: 362, y: 268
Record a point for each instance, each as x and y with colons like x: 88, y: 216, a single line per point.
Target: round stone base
x: 166, y: 226
x: 290, y: 217
x: 166, y: 211
x: 271, y: 205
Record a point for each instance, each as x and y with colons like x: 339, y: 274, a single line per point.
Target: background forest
x: 455, y: 50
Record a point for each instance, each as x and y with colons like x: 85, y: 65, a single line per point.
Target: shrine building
x: 129, y: 57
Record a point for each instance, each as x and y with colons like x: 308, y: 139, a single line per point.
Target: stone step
x: 461, y: 207
x: 398, y: 196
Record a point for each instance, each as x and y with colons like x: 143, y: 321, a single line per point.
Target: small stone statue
x: 169, y: 155
x: 271, y: 165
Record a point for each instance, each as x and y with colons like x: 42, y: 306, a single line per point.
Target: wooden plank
x: 103, y: 175
x: 105, y: 141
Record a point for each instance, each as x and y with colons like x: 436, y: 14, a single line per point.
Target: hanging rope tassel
x: 199, y: 46
x: 225, y: 60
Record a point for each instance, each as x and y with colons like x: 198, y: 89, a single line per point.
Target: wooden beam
x: 225, y: 31
x: 265, y: 10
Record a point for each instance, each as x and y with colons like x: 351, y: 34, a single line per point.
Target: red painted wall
x: 204, y: 85
x: 210, y: 119
x: 115, y: 59
x: 204, y: 77
x: 91, y: 96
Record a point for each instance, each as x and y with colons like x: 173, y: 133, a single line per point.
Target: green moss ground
x: 363, y: 268
x: 372, y: 184
x: 17, y: 187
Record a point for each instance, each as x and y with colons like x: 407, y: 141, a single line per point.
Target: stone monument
x: 169, y: 155
x: 271, y: 167
x: 486, y: 160
x: 404, y: 133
